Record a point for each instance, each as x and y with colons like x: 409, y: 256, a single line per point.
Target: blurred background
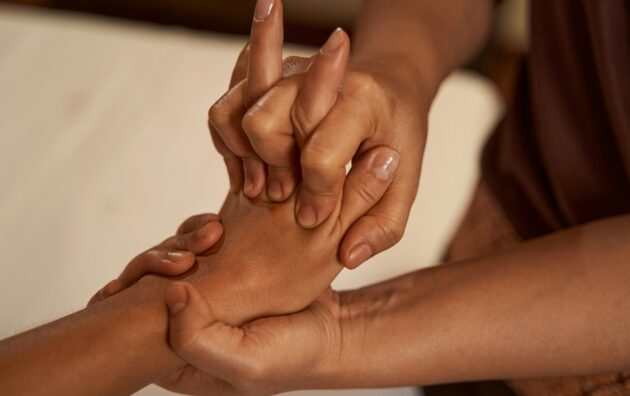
x: 307, y: 22
x: 102, y: 127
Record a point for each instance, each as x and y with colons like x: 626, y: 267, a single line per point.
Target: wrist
x: 420, y: 76
x: 141, y: 316
x: 348, y: 340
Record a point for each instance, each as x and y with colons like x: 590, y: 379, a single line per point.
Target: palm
x: 279, y: 339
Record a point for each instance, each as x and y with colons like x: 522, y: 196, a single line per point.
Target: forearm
x: 433, y: 37
x: 111, y: 348
x: 555, y: 306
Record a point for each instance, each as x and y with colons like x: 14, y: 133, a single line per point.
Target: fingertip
x: 357, y: 255
x: 176, y: 262
x: 263, y: 10
x: 176, y: 298
x: 335, y: 41
x: 254, y: 173
x: 384, y: 164
x: 275, y: 190
x: 111, y: 288
x: 306, y: 215
x: 209, y: 234
x: 280, y: 183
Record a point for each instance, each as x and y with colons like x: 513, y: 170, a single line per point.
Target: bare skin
x: 551, y: 307
x: 249, y: 274
x: 402, y: 51
x: 554, y: 306
x: 93, y: 352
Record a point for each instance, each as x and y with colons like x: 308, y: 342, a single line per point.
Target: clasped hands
x: 254, y: 312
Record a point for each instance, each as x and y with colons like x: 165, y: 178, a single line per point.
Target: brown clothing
x: 561, y: 157
x: 485, y: 228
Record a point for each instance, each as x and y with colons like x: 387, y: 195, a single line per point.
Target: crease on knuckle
x: 258, y: 123
x: 368, y: 192
x: 319, y: 160
x: 389, y: 231
x: 362, y: 84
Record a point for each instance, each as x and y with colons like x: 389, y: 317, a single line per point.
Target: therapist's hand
x: 374, y: 107
x: 292, y: 128
x: 267, y: 265
x: 263, y: 357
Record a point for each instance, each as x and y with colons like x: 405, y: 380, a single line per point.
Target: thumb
x: 197, y: 337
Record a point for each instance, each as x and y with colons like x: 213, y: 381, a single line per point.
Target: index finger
x: 265, y: 50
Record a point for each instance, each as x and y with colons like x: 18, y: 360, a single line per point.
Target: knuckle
x: 368, y: 193
x: 389, y: 231
x: 362, y: 84
x: 319, y: 160
x: 217, y: 116
x: 258, y: 124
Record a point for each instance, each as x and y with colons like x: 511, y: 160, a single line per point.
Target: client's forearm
x: 112, y: 348
x: 555, y: 306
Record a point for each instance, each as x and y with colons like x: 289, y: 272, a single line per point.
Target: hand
x: 263, y: 357
x: 174, y: 256
x: 316, y: 324
x: 304, y: 124
x: 263, y: 269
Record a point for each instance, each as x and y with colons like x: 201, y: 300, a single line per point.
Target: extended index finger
x: 265, y: 49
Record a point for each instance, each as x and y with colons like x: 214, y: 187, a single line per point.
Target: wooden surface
x: 104, y: 150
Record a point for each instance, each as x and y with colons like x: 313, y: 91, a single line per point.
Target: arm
x: 556, y: 306
x: 264, y: 257
x: 113, y: 347
x: 430, y: 38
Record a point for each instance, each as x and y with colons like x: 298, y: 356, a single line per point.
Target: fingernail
x: 177, y: 299
x: 263, y: 10
x: 307, y: 217
x: 249, y: 187
x: 333, y: 42
x: 174, y: 255
x: 359, y: 254
x: 384, y: 165
x: 275, y: 190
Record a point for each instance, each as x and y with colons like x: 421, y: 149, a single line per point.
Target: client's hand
x: 174, y: 256
x: 264, y: 356
x: 268, y: 264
